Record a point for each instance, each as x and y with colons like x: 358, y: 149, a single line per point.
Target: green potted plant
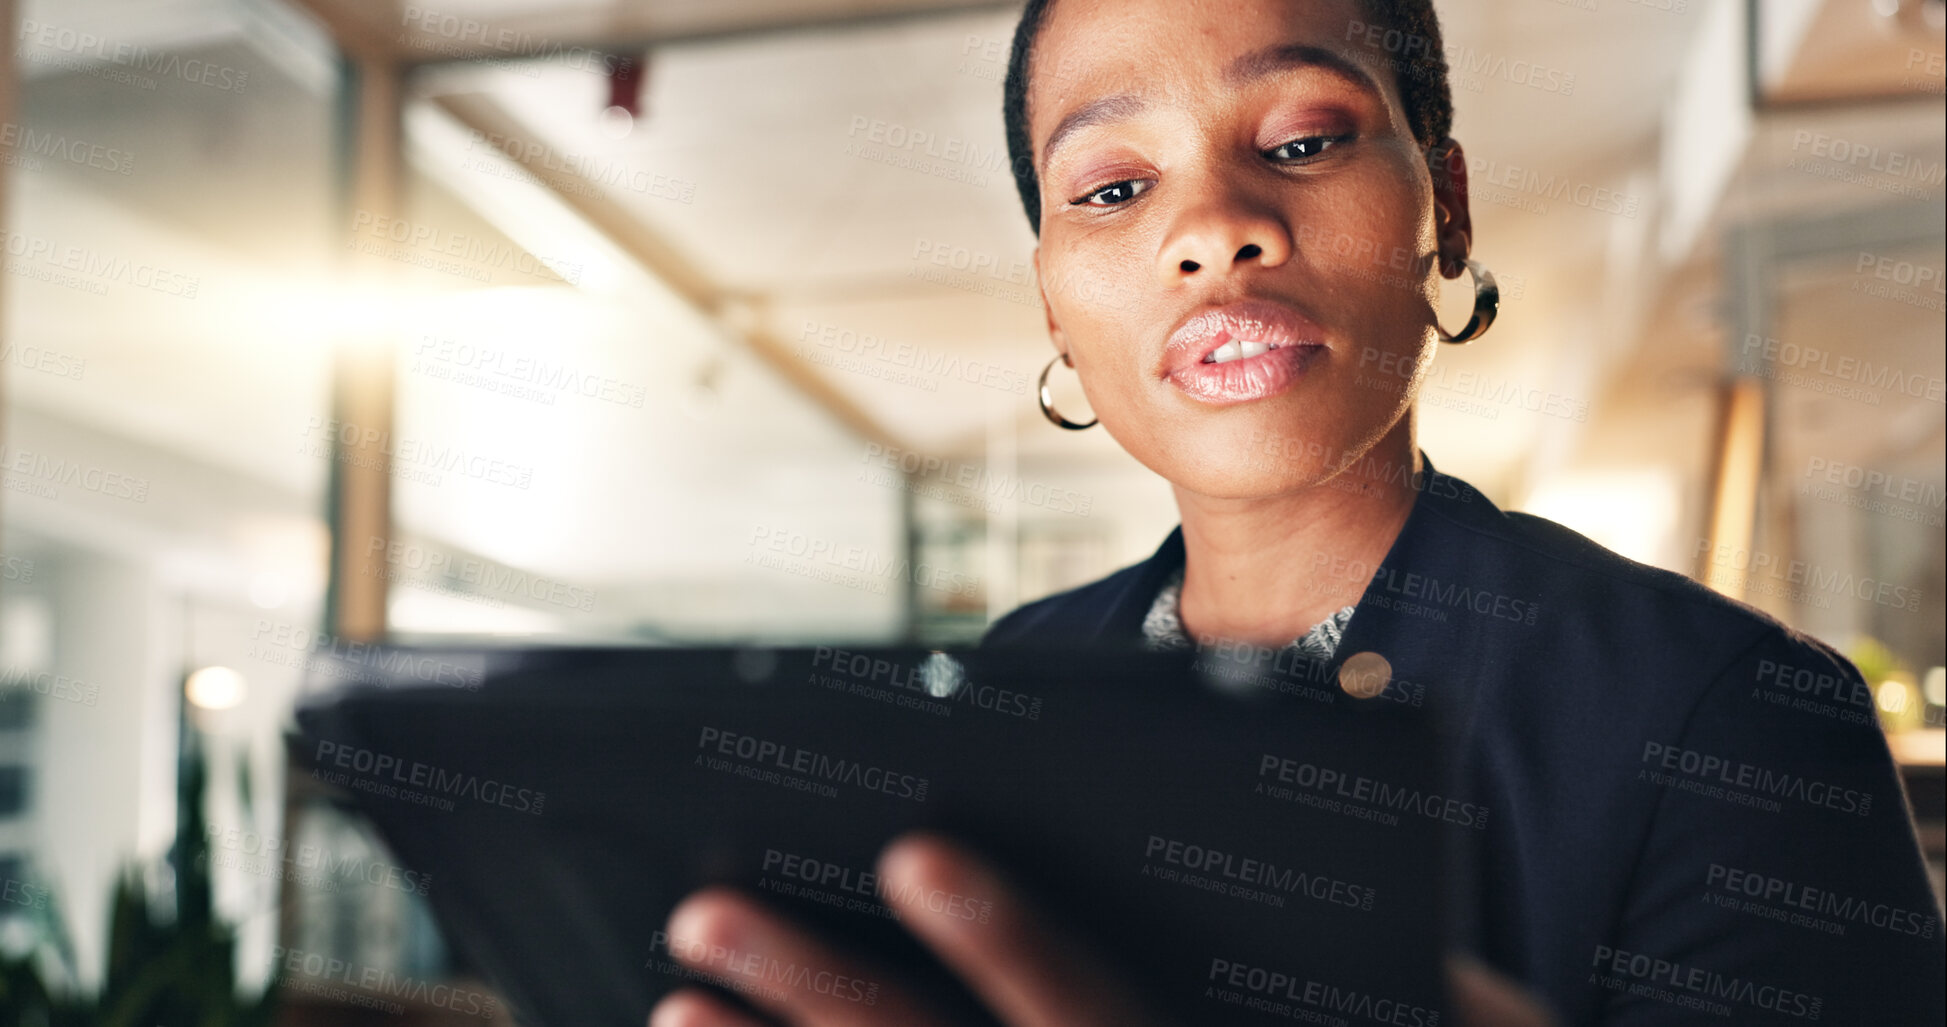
x: 166, y: 967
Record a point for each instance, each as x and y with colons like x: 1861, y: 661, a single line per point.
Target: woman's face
x: 1238, y: 233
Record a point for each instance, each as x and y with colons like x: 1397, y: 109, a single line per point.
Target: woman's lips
x: 1206, y: 357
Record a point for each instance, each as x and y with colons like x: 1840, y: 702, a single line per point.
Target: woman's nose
x: 1223, y: 230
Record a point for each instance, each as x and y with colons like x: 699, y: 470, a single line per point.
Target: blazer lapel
x: 1122, y: 617
x: 1417, y: 612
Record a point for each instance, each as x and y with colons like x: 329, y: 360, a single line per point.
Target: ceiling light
x: 214, y: 688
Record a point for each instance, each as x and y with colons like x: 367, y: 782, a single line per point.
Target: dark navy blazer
x: 1694, y: 815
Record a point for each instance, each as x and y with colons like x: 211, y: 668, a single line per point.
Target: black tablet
x: 1247, y: 839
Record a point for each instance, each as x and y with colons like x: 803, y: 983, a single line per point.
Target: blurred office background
x: 328, y: 321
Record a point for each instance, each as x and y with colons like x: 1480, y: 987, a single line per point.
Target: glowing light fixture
x: 215, y: 688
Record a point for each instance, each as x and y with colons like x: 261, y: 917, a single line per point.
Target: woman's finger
x: 1028, y: 972
x: 781, y: 968
x: 1483, y: 998
x: 694, y: 1007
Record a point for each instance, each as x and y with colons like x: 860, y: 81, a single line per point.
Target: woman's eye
x: 1304, y: 149
x: 1114, y: 194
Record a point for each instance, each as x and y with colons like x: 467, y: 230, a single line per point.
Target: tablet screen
x: 1248, y: 841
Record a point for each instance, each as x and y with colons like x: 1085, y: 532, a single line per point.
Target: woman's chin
x: 1245, y: 479
x: 1276, y: 447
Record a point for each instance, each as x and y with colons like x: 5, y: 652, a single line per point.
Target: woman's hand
x: 1028, y: 972
x: 1022, y: 968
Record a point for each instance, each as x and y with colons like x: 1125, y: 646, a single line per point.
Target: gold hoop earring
x: 1487, y: 302
x: 1048, y: 402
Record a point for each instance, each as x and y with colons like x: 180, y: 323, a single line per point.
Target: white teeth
x: 1237, y: 349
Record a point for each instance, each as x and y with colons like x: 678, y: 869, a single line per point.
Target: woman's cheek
x: 1112, y: 384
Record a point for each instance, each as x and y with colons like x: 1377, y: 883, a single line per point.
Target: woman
x: 1270, y: 186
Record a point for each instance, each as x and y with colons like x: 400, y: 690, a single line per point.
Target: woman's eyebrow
x: 1094, y: 112
x: 1244, y: 70
x: 1290, y: 56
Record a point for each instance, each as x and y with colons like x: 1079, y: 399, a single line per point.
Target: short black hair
x: 1409, y: 30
